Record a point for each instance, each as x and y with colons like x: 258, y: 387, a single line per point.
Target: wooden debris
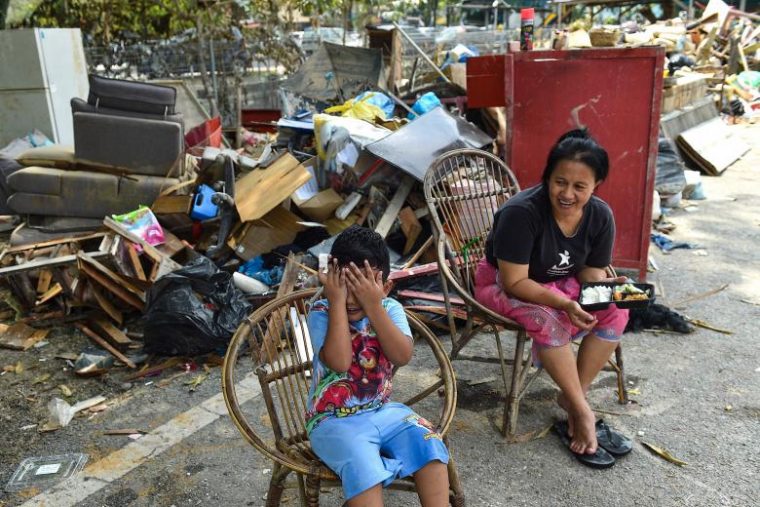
x: 701, y: 295
x: 125, y: 431
x: 702, y: 323
x: 410, y: 226
x: 111, y: 333
x: 20, y: 336
x: 394, y: 207
x: 101, y: 342
x: 664, y: 454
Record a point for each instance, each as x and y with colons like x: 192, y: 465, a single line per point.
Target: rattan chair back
x: 463, y: 189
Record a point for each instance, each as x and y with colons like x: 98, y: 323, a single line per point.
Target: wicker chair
x: 463, y: 188
x: 276, y: 339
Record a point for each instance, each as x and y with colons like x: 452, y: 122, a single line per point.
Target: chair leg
x: 512, y: 405
x: 276, y: 485
x: 456, y: 494
x: 312, y: 487
x: 622, y: 392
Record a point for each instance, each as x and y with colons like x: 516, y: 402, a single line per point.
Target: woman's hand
x: 578, y: 316
x: 366, y: 286
x: 334, y: 282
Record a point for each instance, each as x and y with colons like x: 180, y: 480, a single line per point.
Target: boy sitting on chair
x: 359, y: 337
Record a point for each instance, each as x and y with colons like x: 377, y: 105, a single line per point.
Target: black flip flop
x: 612, y: 441
x: 600, y: 459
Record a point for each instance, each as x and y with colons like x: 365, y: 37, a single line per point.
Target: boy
x: 359, y: 337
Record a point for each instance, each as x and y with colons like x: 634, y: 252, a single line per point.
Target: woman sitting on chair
x: 545, y: 241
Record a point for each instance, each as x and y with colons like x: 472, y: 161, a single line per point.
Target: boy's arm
x: 397, y: 346
x: 336, y: 351
x: 369, y: 291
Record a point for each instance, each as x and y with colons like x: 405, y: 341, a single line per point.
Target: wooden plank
x: 47, y: 263
x: 170, y: 204
x: 419, y: 253
x: 259, y: 191
x: 43, y: 282
x: 111, y: 333
x: 392, y: 211
x: 712, y: 146
x: 410, y: 226
x: 112, y: 282
x: 50, y: 294
x: 134, y: 259
x: 427, y: 296
x: 424, y: 269
x: 53, y: 242
x: 86, y: 261
x: 101, y: 342
x: 106, y: 305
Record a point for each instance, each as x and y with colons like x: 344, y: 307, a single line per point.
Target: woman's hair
x: 357, y: 244
x: 578, y: 145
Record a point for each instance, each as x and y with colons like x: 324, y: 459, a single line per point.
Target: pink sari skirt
x: 546, y: 326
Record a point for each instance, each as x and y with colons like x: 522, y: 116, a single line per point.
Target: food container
x: 647, y: 288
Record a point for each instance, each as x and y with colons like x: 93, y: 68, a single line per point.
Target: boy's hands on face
x: 334, y: 282
x: 366, y: 286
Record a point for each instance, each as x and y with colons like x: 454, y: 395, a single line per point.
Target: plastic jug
x: 203, y: 208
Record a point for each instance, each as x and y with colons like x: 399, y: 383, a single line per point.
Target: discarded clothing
x: 666, y: 244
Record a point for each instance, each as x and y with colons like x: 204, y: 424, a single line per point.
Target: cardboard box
x: 278, y: 227
x: 261, y: 190
x: 322, y: 206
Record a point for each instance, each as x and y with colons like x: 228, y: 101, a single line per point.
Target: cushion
x: 131, y: 95
x: 56, y: 155
x: 80, y: 106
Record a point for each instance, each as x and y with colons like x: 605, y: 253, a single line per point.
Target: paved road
x: 698, y: 396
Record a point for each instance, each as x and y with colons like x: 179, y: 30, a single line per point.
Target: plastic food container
x: 647, y: 288
x: 44, y: 471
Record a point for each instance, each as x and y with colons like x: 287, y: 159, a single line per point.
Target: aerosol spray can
x: 526, y: 29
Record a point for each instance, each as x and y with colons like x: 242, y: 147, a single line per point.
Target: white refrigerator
x: 41, y: 69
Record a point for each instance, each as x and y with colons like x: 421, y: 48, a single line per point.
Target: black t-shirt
x: 525, y: 232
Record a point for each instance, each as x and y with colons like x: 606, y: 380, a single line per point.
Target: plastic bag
x: 669, y: 177
x: 427, y: 102
x: 193, y: 311
x: 61, y: 413
x: 143, y: 223
x: 364, y: 107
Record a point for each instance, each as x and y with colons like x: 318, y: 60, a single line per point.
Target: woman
x: 545, y: 241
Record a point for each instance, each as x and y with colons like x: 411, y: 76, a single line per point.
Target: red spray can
x: 526, y: 29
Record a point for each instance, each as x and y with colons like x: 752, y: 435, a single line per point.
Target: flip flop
x: 612, y: 441
x: 600, y: 459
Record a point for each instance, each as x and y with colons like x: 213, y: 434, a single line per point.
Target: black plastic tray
x: 648, y: 288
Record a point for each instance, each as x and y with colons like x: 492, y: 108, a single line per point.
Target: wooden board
x: 110, y: 333
x: 261, y: 190
x: 394, y: 207
x: 712, y: 146
x: 170, y: 204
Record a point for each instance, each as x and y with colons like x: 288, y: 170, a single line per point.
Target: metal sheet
x: 337, y: 73
x: 414, y: 147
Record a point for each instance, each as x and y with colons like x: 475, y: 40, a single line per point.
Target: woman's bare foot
x: 565, y: 405
x: 584, y: 440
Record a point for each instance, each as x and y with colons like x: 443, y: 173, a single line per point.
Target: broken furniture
x: 276, y: 338
x: 128, y: 147
x: 615, y: 93
x: 463, y: 190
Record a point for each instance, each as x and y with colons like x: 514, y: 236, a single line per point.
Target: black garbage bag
x: 669, y: 178
x: 193, y: 310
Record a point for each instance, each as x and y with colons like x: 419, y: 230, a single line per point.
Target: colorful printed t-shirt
x: 367, y: 383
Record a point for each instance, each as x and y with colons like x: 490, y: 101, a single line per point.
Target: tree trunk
x: 3, y: 12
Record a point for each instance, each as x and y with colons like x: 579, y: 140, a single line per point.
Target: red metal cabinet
x: 616, y: 93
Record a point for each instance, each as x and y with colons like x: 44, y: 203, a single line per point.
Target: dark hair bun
x: 581, y: 133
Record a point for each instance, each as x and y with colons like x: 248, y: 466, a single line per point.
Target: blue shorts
x: 375, y: 447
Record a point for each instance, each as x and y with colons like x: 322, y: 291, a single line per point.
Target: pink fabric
x: 548, y: 327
